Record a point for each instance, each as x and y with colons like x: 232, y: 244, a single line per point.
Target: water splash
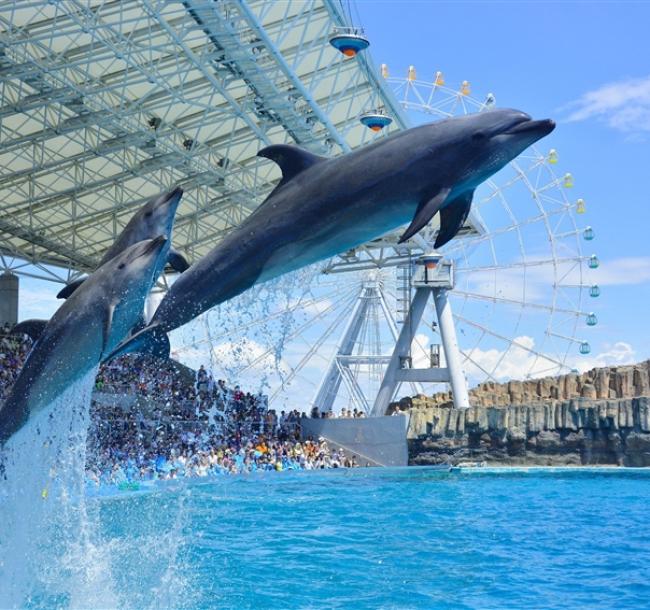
x: 261, y: 323
x: 58, y: 547
x: 47, y: 551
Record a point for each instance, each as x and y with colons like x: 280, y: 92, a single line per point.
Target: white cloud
x: 38, y: 302
x: 615, y: 355
x: 517, y: 362
x: 520, y: 363
x: 420, y: 350
x: 623, y: 271
x: 623, y: 105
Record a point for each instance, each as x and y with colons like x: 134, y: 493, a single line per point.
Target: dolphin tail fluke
x: 32, y: 328
x: 452, y: 218
x: 177, y: 261
x: 151, y: 340
x: 64, y: 293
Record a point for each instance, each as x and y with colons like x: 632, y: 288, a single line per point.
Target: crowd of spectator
x: 344, y: 414
x: 153, y: 419
x: 198, y: 427
x: 13, y: 351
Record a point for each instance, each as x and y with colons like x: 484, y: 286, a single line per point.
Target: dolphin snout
x: 175, y: 195
x: 543, y: 127
x: 155, y: 244
x: 177, y: 192
x: 170, y: 198
x: 549, y: 125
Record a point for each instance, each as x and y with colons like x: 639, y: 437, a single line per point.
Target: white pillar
x: 402, y: 349
x: 450, y: 346
x: 8, y: 298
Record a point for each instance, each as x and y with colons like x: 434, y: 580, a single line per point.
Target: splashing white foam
x: 58, y: 549
x: 47, y: 548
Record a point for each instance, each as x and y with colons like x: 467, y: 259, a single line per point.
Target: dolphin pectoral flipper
x: 177, y: 261
x: 65, y: 292
x: 32, y: 328
x: 150, y: 340
x: 425, y: 212
x: 452, y: 217
x: 291, y: 159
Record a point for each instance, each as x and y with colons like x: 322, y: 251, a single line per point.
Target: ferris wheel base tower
x: 433, y: 276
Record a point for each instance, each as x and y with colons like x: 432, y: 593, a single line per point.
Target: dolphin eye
x: 121, y: 266
x: 479, y: 136
x: 149, y: 213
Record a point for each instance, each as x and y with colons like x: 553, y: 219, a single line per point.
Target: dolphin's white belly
x: 70, y: 356
x: 349, y: 233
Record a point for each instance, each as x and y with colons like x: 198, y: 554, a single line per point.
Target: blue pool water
x: 375, y: 538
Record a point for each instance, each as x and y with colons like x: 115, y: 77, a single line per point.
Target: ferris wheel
x: 522, y: 300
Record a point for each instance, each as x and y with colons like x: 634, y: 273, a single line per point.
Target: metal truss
x: 360, y: 353
x: 106, y: 103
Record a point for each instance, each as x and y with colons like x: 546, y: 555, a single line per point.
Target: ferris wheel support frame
x: 339, y: 371
x: 435, y: 278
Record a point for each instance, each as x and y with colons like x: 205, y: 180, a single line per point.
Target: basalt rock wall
x: 629, y: 381
x: 561, y: 432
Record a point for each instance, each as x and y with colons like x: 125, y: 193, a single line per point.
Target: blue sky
x: 585, y: 64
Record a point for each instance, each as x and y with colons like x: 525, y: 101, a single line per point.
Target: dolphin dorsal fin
x: 291, y: 159
x: 32, y: 328
x: 67, y: 290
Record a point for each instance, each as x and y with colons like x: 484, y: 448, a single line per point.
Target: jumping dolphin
x: 84, y: 330
x: 156, y: 217
x: 322, y: 207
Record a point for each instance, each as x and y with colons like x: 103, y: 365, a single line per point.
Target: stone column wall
x: 558, y: 432
x: 629, y: 381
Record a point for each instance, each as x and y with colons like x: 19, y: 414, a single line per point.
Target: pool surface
x: 367, y: 538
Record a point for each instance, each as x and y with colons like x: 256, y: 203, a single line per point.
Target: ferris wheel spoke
x: 564, y: 337
x: 474, y: 241
x: 518, y: 264
x: 522, y: 303
x: 312, y: 350
x: 214, y: 338
x: 264, y: 318
x: 478, y: 366
x: 296, y: 333
x: 511, y: 342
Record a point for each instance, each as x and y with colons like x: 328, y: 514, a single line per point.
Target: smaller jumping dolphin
x: 84, y: 330
x: 322, y: 207
x: 156, y: 217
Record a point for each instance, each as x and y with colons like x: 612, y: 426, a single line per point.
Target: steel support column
x: 435, y: 279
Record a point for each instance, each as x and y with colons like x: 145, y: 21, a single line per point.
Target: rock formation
x: 629, y: 381
x: 599, y: 417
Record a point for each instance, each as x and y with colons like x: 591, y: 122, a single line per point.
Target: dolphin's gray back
x: 52, y: 365
x: 133, y: 232
x: 295, y: 226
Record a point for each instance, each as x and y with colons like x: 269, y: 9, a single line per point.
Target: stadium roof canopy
x: 105, y: 104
